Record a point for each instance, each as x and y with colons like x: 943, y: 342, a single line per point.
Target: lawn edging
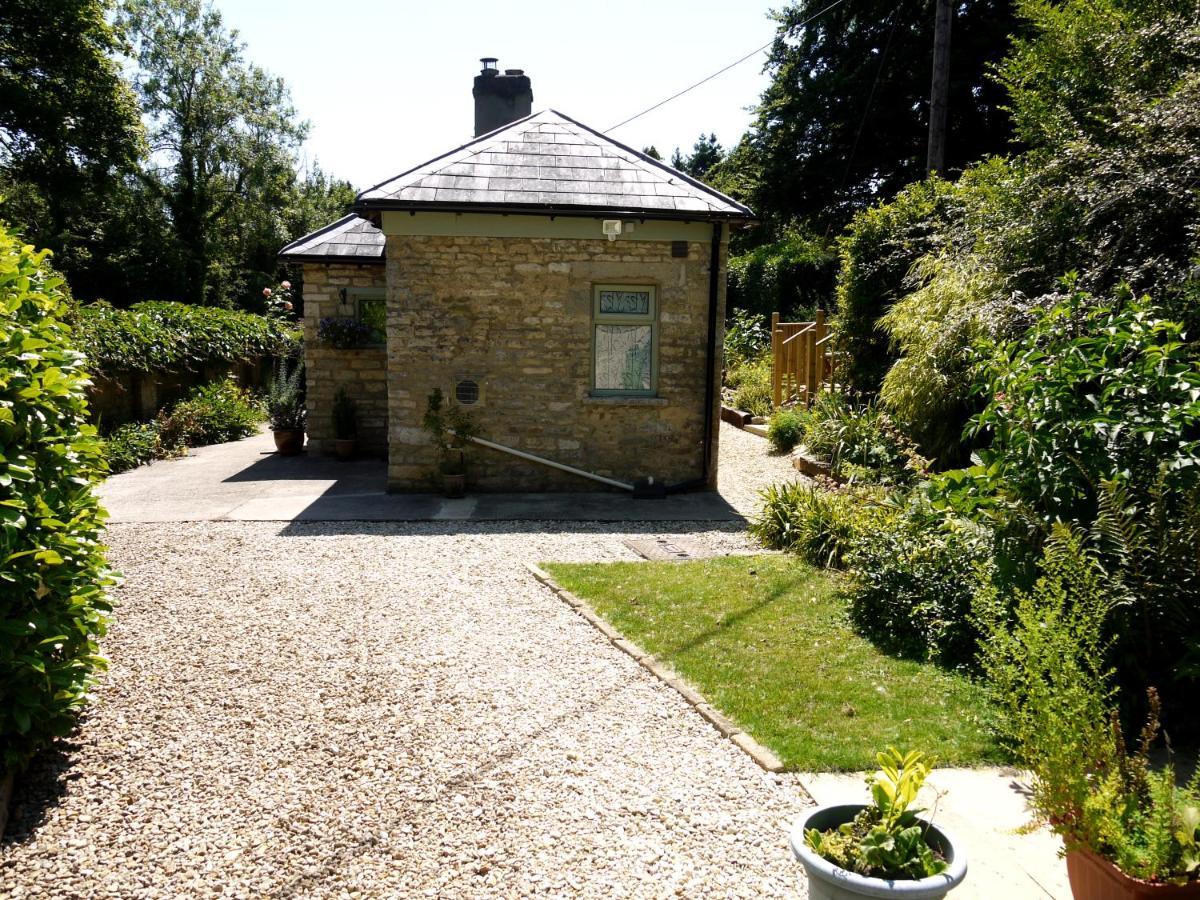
x: 762, y: 756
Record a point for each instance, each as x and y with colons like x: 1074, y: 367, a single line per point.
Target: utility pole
x: 939, y: 92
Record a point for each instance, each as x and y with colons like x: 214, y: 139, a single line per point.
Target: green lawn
x: 766, y: 640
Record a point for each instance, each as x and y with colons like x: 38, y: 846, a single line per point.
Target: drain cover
x: 661, y: 548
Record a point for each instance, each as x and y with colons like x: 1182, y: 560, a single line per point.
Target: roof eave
x: 367, y: 205
x: 330, y: 258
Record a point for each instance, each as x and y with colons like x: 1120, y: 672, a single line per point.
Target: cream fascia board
x: 444, y: 224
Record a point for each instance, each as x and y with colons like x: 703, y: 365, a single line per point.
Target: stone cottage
x: 567, y: 290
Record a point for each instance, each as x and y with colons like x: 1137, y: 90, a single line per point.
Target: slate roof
x: 350, y: 238
x: 548, y: 163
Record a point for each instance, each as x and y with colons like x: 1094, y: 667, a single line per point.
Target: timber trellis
x: 803, y: 359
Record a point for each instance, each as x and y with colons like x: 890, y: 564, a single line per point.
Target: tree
x: 652, y: 152
x: 844, y: 122
x: 706, y: 153
x: 222, y: 135
x: 69, y: 124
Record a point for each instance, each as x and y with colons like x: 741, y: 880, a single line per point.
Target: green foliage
x: 793, y: 276
x: 858, y: 73
x: 886, y: 839
x: 785, y: 430
x: 212, y: 414
x: 914, y: 579
x: 451, y: 428
x: 749, y: 385
x: 746, y: 337
x: 161, y: 336
x: 345, y: 416
x: 53, y: 576
x: 934, y: 329
x: 819, y: 524
x: 1044, y: 653
x: 859, y: 440
x: 706, y: 153
x: 225, y: 131
x: 131, y: 445
x: 284, y: 398
x: 69, y: 123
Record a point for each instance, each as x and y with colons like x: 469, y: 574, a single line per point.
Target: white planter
x: 828, y: 882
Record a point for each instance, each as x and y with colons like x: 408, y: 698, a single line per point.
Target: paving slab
x: 985, y: 809
x: 248, y: 481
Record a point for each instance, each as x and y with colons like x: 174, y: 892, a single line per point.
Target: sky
x: 386, y: 84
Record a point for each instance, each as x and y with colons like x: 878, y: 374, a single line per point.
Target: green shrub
x: 284, y: 399
x: 820, y: 524
x: 53, y: 576
x: 747, y: 337
x: 785, y: 430
x: 212, y: 414
x: 793, y: 276
x: 914, y: 577
x: 1093, y: 418
x: 859, y: 440
x: 133, y: 444
x: 158, y: 336
x: 1044, y: 654
x: 750, y: 385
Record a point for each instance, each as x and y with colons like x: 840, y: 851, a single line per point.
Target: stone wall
x: 515, y: 314
x: 361, y: 372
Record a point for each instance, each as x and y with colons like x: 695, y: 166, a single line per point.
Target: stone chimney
x: 500, y: 99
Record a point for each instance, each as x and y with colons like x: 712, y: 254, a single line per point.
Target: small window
x: 370, y: 308
x: 624, y: 339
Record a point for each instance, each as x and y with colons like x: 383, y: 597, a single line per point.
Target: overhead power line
x: 736, y: 62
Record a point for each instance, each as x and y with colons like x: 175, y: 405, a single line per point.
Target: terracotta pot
x: 1093, y: 877
x: 454, y: 485
x: 344, y: 448
x: 828, y: 882
x: 289, y: 441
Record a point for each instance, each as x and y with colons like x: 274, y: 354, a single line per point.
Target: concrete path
x: 247, y: 481
x: 985, y: 809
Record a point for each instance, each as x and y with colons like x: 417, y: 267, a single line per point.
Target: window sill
x: 618, y: 400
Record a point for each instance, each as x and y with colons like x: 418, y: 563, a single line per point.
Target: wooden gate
x: 803, y: 361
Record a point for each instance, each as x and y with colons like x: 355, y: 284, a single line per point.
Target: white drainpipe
x: 491, y: 445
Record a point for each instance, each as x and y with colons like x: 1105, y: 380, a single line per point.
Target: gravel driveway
x: 348, y: 709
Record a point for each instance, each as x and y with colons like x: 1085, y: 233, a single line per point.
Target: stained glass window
x: 623, y: 338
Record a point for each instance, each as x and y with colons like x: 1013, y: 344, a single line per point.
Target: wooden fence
x: 803, y: 359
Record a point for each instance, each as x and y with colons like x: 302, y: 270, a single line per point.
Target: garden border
x: 762, y: 756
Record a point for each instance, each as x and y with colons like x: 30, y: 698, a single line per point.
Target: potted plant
x: 881, y: 849
x: 1128, y: 831
x: 345, y: 425
x: 452, y: 428
x: 285, y: 410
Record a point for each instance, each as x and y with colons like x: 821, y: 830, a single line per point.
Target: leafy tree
x: 706, y: 153
x: 69, y: 123
x: 844, y: 121
x: 222, y: 132
x: 652, y: 152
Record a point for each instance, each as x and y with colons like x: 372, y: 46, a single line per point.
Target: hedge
x: 53, y: 575
x: 163, y: 336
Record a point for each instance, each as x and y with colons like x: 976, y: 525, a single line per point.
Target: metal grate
x: 466, y: 392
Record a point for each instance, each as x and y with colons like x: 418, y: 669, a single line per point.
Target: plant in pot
x: 285, y: 409
x: 451, y: 428
x: 1128, y: 831
x: 881, y: 849
x: 345, y: 425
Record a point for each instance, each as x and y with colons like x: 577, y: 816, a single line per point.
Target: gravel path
x: 747, y: 466
x: 346, y: 709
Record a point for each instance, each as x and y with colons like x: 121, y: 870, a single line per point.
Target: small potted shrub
x: 286, y: 412
x: 345, y: 425
x: 451, y: 428
x: 1128, y: 831
x: 881, y: 849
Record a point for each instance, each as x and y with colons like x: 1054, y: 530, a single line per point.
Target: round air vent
x: 466, y: 392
